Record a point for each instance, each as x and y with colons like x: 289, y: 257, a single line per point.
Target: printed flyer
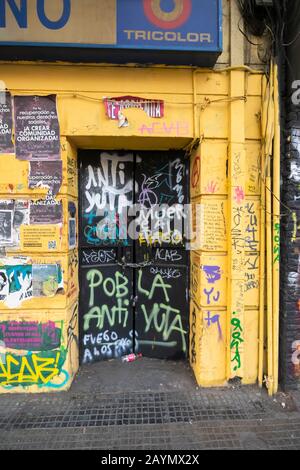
x: 37, y: 134
x: 46, y: 211
x: 6, y: 123
x: 46, y: 174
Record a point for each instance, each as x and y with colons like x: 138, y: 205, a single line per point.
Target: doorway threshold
x: 145, y: 374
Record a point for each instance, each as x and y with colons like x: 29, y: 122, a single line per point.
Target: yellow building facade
x: 218, y: 117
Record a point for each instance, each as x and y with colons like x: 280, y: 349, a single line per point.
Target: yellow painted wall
x: 83, y: 124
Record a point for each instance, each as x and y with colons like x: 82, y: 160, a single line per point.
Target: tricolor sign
x: 144, y: 28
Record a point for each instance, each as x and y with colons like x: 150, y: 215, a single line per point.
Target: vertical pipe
x: 276, y: 230
x: 269, y: 284
x: 262, y: 281
x: 269, y: 232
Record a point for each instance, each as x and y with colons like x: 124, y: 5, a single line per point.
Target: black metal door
x: 161, y: 312
x: 133, y: 262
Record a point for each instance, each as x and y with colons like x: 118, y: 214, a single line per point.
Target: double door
x: 133, y: 258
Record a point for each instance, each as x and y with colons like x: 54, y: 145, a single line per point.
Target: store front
x: 139, y: 226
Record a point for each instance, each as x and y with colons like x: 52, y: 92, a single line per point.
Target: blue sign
x: 158, y: 31
x: 193, y: 25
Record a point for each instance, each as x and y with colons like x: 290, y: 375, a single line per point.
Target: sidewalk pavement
x: 149, y: 405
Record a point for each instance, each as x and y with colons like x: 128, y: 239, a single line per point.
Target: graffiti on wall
x: 32, y: 354
x: 239, y: 239
x: 34, y: 369
x: 252, y: 251
x: 236, y: 341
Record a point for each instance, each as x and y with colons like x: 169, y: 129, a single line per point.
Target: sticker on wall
x: 46, y: 211
x: 46, y: 174
x: 72, y: 224
x: 6, y: 124
x: 37, y: 135
x: 114, y: 107
x: 19, y: 279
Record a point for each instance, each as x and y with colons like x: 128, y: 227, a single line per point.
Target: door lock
x: 144, y: 264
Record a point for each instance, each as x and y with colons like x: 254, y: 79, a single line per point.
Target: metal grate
x: 129, y: 409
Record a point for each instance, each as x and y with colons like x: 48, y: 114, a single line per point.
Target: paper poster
x: 6, y: 227
x: 46, y: 211
x: 4, y: 285
x: 45, y: 280
x: 46, y: 174
x: 38, y: 238
x: 21, y: 217
x: 6, y: 123
x: 13, y: 214
x: 114, y: 106
x: 37, y: 135
x: 30, y: 335
x: 72, y: 224
x: 19, y: 279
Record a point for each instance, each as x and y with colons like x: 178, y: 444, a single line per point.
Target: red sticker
x: 168, y: 20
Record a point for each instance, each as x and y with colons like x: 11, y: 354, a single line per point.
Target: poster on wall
x: 4, y: 285
x: 115, y: 106
x: 45, y: 280
x: 30, y: 335
x: 37, y: 135
x: 46, y: 211
x: 46, y: 174
x: 39, y: 238
x: 72, y: 224
x: 6, y: 227
x: 21, y: 217
x: 15, y: 284
x: 6, y: 123
x: 13, y: 214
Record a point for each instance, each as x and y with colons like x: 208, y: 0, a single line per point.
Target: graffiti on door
x: 132, y: 214
x: 107, y: 191
x: 106, y: 320
x: 160, y: 322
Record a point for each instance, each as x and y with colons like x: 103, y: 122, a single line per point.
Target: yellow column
x: 237, y: 225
